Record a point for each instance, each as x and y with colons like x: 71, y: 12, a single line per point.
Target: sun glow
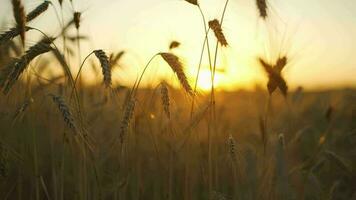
x: 204, y: 82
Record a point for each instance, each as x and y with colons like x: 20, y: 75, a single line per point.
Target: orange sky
x: 319, y: 36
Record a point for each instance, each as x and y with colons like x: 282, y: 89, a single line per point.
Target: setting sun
x: 204, y: 82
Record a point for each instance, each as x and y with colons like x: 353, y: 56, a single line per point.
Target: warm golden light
x: 204, y: 82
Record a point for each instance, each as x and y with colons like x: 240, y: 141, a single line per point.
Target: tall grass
x: 61, y: 139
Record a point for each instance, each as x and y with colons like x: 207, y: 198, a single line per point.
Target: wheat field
x: 62, y: 139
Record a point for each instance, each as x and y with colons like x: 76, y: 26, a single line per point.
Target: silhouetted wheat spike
x: 274, y: 74
x: 216, y: 27
x: 37, y: 11
x: 173, y: 45
x: 76, y: 18
x: 114, y: 59
x: 20, y: 18
x: 232, y: 149
x: 10, y: 34
x: 177, y: 67
x: 129, y: 111
x: 194, y: 2
x: 17, y: 66
x: 105, y: 66
x: 14, y: 32
x: 165, y: 99
x: 262, y: 8
x: 65, y: 111
x: 22, y: 108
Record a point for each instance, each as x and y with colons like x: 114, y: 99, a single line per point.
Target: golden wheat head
x: 165, y: 99
x: 174, y: 62
x: 65, y: 111
x: 128, y: 114
x: 105, y: 66
x: 216, y: 27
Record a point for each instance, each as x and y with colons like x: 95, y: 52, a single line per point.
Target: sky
x: 318, y: 36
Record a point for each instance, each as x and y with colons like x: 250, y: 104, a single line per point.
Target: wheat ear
x: 216, y: 27
x: 105, y: 66
x: 177, y: 67
x: 65, y: 111
x: 20, y: 18
x: 128, y: 114
x: 165, y: 99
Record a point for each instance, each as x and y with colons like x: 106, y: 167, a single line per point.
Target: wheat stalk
x: 177, y: 67
x: 20, y: 18
x: 105, y: 66
x: 216, y: 27
x: 66, y: 113
x: 165, y: 99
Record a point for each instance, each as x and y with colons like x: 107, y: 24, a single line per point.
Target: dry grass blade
x: 177, y: 67
x: 20, y: 18
x: 37, y: 11
x: 262, y: 8
x: 129, y: 111
x: 65, y: 111
x: 174, y: 45
x: 18, y: 66
x: 165, y: 99
x: 216, y: 27
x: 105, y: 66
x: 275, y: 78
